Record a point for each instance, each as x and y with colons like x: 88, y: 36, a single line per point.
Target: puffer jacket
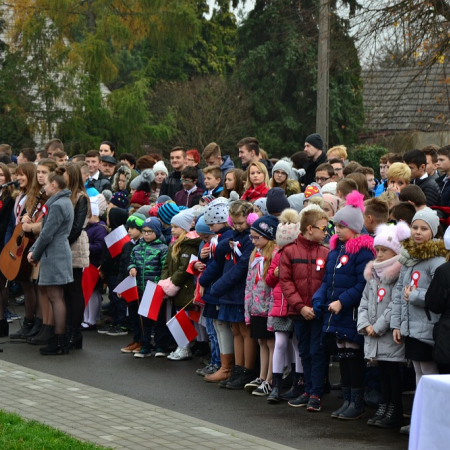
x: 279, y: 303
x: 437, y: 300
x: 175, y: 269
x: 148, y: 259
x: 78, y: 238
x: 258, y: 298
x: 344, y: 282
x: 230, y: 288
x: 376, y: 310
x: 299, y: 277
x: 412, y: 317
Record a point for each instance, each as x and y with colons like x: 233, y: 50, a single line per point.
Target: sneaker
x: 174, y: 353
x: 104, y: 330
x: 88, y: 327
x: 143, y: 353
x: 210, y: 369
x: 250, y: 387
x: 182, y: 355
x: 160, y: 353
x: 263, y: 390
x: 300, y: 401
x: 314, y: 403
x: 130, y: 347
x: 10, y: 316
x: 137, y: 349
x: 117, y: 331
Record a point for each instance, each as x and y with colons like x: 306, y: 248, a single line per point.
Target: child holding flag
x: 146, y: 264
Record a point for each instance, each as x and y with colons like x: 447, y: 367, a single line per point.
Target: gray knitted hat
x: 430, y: 217
x: 183, y: 219
x: 217, y: 211
x: 351, y: 215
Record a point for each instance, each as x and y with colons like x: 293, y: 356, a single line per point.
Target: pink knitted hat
x: 390, y: 236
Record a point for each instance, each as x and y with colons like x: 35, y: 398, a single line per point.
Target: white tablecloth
x: 430, y: 420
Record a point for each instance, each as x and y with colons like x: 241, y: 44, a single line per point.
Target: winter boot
x: 35, y: 330
x: 57, y: 346
x: 297, y: 389
x: 356, y: 408
x: 44, y: 337
x: 392, y: 419
x: 235, y: 373
x: 4, y: 328
x: 381, y: 411
x: 242, y: 379
x: 277, y: 381
x: 225, y: 370
x: 74, y: 338
x: 346, y: 392
x: 27, y: 325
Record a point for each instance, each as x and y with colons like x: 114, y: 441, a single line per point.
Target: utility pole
x: 323, y: 79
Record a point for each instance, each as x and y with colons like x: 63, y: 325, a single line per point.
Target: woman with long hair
x: 6, y: 207
x: 79, y: 244
x: 281, y: 177
x: 233, y: 182
x: 257, y: 182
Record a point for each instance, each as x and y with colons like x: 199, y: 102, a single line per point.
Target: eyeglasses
x: 279, y: 172
x: 323, y: 229
x: 183, y: 180
x: 322, y: 179
x: 255, y: 238
x: 190, y: 159
x: 147, y: 232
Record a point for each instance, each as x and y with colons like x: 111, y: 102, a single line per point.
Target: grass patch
x: 21, y: 434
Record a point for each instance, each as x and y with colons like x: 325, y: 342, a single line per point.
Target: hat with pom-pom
x: 430, y: 217
x: 217, y: 211
x: 160, y: 167
x: 351, y: 215
x: 390, y: 236
x: 140, y: 198
x: 143, y: 180
x: 288, y: 228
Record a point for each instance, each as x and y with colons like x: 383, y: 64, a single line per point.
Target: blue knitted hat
x: 167, y: 211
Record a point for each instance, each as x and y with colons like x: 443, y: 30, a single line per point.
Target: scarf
x: 252, y: 194
x: 412, y: 254
x: 380, y: 267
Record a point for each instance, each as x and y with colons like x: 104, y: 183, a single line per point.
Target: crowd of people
x: 280, y: 265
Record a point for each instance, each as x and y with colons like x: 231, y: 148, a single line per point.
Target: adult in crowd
x: 212, y: 156
x: 316, y: 157
x: 282, y: 177
x: 338, y: 167
x: 107, y: 148
x: 172, y: 184
x: 26, y: 155
x: 193, y: 160
x: 250, y: 152
x: 52, y: 146
x: 130, y: 161
x: 338, y: 152
x: 108, y: 166
x: 96, y: 178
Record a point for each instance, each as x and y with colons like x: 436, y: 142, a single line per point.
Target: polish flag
x: 128, y: 289
x: 151, y: 301
x: 89, y: 281
x: 181, y: 328
x: 116, y: 240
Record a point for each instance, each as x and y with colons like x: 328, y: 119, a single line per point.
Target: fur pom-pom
x: 289, y: 215
x: 233, y: 196
x: 251, y: 218
x: 403, y: 231
x: 148, y: 175
x: 356, y: 200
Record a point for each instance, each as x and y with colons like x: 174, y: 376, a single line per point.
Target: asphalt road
x: 175, y: 385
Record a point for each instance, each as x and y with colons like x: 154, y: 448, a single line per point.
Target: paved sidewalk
x: 110, y: 419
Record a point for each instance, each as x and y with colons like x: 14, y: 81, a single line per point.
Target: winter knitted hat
x: 351, y: 215
x: 154, y: 224
x: 160, y: 167
x: 201, y: 227
x: 315, y: 140
x: 136, y: 220
x: 143, y: 180
x: 261, y: 203
x: 390, y: 236
x: 217, y: 211
x: 266, y: 226
x: 163, y: 199
x: 333, y: 201
x: 288, y: 228
x: 183, y: 220
x: 296, y: 201
x: 430, y: 217
x: 95, y: 210
x: 313, y: 190
x: 283, y: 165
x: 145, y: 210
x: 140, y: 198
x: 120, y: 200
x: 276, y: 201
x: 167, y: 211
x: 329, y: 188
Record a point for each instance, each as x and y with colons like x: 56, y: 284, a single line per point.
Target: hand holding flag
x: 128, y: 289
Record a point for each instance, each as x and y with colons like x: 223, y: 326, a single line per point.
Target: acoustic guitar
x: 13, y: 259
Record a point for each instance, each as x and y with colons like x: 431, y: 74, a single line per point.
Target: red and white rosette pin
x: 415, y: 277
x: 343, y: 261
x: 320, y: 264
x: 381, y: 294
x: 44, y: 210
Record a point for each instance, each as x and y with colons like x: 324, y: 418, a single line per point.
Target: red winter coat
x: 299, y: 277
x: 279, y: 307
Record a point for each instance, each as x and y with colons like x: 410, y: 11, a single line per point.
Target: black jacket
x: 101, y: 184
x: 310, y: 175
x: 81, y: 211
x: 431, y: 191
x: 171, y: 184
x: 437, y: 300
x: 444, y: 187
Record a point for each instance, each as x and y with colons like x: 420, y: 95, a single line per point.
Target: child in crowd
x: 331, y: 205
x: 282, y: 178
x: 344, y: 188
x: 257, y: 184
x: 146, y: 263
x: 339, y: 296
x: 178, y: 284
x: 260, y: 207
x: 258, y: 299
x: 165, y: 214
x: 390, y: 197
x: 213, y: 179
x: 412, y: 323
x: 233, y: 182
x: 414, y: 195
x: 376, y: 213
x: 403, y: 211
x: 374, y: 315
x: 191, y: 193
x: 302, y: 269
x: 230, y: 290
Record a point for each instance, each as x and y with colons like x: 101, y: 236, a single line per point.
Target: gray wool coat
x: 412, y: 317
x: 378, y: 314
x: 52, y: 246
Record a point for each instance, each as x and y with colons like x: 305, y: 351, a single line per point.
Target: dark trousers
x: 312, y: 353
x: 74, y: 299
x: 391, y: 383
x: 119, y: 305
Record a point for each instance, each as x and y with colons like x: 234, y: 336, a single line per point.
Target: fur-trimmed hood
x: 390, y: 273
x: 427, y: 250
x: 122, y: 170
x: 354, y: 245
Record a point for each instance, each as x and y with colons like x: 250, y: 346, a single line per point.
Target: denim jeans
x: 215, y: 351
x: 312, y: 353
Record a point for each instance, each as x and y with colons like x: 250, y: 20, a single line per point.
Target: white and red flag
x: 116, y: 240
x: 181, y: 328
x: 128, y: 289
x: 151, y: 301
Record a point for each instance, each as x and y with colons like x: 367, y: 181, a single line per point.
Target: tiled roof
x: 407, y: 99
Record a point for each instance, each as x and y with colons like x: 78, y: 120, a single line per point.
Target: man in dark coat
x: 316, y: 156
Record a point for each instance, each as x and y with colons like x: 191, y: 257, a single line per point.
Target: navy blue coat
x: 345, y: 284
x: 230, y: 288
x: 215, y: 266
